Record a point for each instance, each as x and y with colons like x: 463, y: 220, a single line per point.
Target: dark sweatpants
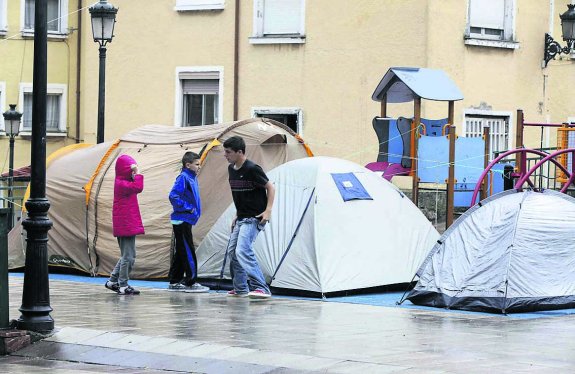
x: 184, y: 266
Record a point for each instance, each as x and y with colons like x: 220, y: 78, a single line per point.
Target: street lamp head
x: 553, y: 48
x: 103, y: 19
x: 568, y: 23
x: 12, y: 121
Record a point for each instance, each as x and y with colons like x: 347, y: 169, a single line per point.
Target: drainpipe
x: 236, y: 56
x: 78, y: 70
x: 551, y: 15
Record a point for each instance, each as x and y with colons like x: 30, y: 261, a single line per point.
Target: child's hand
x: 134, y: 168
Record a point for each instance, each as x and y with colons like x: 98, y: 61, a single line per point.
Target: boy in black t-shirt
x: 253, y: 196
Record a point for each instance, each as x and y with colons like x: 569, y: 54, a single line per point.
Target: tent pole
x: 406, y: 291
x: 294, y: 235
x: 451, y: 178
x: 415, y: 137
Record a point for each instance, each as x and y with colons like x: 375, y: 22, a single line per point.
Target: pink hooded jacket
x: 126, y: 219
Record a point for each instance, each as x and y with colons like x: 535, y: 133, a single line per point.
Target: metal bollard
x: 4, y: 313
x: 507, y: 178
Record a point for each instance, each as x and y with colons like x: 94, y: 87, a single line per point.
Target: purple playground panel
x: 388, y: 170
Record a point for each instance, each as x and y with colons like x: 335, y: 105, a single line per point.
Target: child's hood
x: 123, y: 166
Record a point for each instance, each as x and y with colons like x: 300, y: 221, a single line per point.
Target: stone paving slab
x: 288, y: 335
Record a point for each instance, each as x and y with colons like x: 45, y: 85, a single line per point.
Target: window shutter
x: 53, y: 15
x: 282, y: 17
x: 199, y: 75
x: 27, y: 113
x: 487, y: 14
x: 202, y: 83
x: 200, y: 86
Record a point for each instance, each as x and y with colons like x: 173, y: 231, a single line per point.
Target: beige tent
x: 80, y: 183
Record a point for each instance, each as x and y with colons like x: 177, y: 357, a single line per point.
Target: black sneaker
x: 112, y: 286
x: 128, y: 290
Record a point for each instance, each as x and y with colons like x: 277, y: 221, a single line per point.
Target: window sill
x: 505, y: 44
x: 28, y: 134
x: 277, y: 39
x: 29, y: 34
x: 198, y: 8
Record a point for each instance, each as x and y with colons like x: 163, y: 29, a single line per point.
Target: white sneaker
x: 259, y: 294
x: 196, y: 288
x: 176, y: 287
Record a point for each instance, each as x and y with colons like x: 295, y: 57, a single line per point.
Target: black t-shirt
x: 248, y: 189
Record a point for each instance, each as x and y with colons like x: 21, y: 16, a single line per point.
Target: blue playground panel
x: 433, y: 166
x: 468, y: 168
x: 434, y: 127
x: 433, y: 154
x: 433, y: 159
x: 498, y: 176
x: 395, y: 142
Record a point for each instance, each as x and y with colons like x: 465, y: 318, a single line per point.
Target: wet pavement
x: 161, y: 331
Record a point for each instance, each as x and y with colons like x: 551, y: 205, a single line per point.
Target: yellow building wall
x: 151, y: 41
x: 349, y: 47
x: 16, y: 67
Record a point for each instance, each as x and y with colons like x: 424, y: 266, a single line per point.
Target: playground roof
x: 403, y: 84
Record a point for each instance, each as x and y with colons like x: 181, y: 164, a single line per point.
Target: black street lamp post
x: 12, y: 127
x: 35, y: 307
x: 103, y: 20
x: 552, y: 48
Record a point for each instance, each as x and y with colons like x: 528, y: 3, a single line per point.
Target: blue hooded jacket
x: 185, y: 198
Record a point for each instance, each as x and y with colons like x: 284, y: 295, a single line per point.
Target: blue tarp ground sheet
x: 387, y: 299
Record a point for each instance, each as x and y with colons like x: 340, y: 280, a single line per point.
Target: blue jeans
x: 121, y: 273
x: 246, y: 273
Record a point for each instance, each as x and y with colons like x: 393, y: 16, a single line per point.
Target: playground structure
x: 428, y: 150
x: 561, y: 158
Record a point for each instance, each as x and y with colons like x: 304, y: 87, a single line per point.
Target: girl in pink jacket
x: 126, y: 222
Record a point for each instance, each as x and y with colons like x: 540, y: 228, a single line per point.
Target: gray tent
x: 513, y: 252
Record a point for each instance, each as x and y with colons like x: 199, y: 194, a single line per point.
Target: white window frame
x: 259, y: 37
x: 179, y: 95
x: 3, y: 17
x: 198, y: 5
x: 490, y: 113
x: 53, y: 88
x: 508, y: 40
x: 60, y: 34
x: 2, y: 104
x: 263, y: 110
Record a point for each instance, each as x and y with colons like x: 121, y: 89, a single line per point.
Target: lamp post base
x: 38, y: 323
x: 36, y: 292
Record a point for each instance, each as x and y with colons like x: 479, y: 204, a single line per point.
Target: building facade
x: 16, y: 70
x: 312, y: 64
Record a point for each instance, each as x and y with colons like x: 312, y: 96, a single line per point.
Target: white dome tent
x: 317, y: 242
x: 513, y: 252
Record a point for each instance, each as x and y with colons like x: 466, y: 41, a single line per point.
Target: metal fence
x: 16, y: 200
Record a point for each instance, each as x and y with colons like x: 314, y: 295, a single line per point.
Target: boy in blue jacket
x: 185, y: 200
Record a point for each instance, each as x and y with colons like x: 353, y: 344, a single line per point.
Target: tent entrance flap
x: 350, y: 188
x: 294, y: 234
